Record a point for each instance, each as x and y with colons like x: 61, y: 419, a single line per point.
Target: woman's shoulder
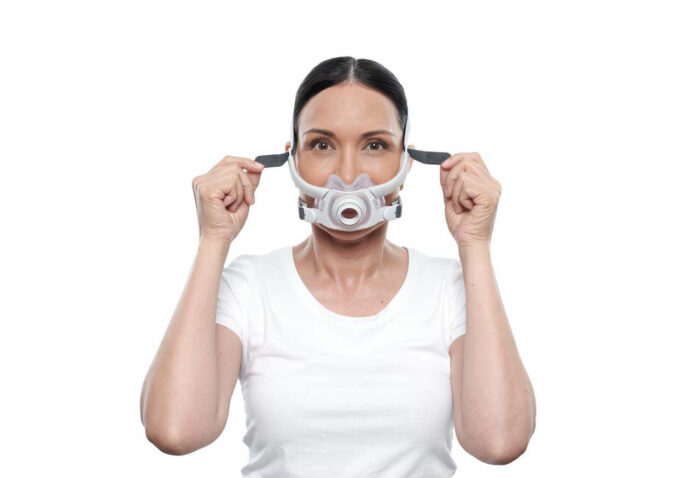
x: 433, y: 261
x: 259, y: 264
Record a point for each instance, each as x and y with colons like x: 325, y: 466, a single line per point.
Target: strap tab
x: 428, y: 157
x: 272, y: 160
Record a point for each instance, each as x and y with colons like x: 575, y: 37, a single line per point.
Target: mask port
x: 349, y: 213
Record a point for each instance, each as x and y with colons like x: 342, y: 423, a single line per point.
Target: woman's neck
x: 348, y: 260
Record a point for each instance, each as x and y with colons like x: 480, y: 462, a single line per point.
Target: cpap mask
x: 359, y: 205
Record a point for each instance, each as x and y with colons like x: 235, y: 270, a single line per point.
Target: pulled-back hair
x: 340, y: 69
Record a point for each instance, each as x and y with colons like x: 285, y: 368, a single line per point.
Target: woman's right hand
x: 223, y: 196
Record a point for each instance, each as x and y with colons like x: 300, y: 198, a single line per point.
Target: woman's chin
x: 349, y: 236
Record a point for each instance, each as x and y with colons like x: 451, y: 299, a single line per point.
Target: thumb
x: 445, y: 168
x: 255, y: 176
x: 443, y: 176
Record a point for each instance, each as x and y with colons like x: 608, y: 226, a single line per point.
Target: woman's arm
x: 497, y: 399
x: 182, y: 406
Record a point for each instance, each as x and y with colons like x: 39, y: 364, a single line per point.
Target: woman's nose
x: 348, y: 169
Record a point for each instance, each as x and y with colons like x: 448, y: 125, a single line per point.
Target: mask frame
x: 372, y: 197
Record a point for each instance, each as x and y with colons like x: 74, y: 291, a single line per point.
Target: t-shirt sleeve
x: 456, y: 305
x: 236, y: 290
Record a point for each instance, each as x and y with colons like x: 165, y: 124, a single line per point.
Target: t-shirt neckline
x: 329, y: 316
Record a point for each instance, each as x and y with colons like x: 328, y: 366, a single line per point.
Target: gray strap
x: 272, y: 160
x: 428, y: 157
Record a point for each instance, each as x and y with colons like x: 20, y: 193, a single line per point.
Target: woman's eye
x: 319, y: 141
x: 324, y: 145
x: 377, y: 143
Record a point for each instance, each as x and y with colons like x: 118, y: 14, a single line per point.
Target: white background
x: 587, y: 113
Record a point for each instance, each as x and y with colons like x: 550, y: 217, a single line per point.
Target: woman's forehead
x: 349, y: 108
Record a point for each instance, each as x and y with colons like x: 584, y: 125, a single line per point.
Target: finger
x: 465, y: 198
x: 240, y: 162
x: 228, y: 172
x: 463, y: 195
x: 474, y: 160
x: 248, y: 188
x: 228, y: 200
x: 240, y: 197
x: 451, y: 161
x: 457, y: 207
x: 458, y: 184
x: 449, y: 180
x: 238, y: 202
x: 254, y: 178
x: 244, y: 162
x: 443, y: 178
x: 447, y: 166
x: 452, y: 176
x: 252, y: 165
x: 235, y: 193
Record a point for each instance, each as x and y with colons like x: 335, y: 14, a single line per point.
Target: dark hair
x: 346, y: 68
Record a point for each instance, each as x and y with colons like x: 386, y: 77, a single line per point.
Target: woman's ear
x: 287, y: 146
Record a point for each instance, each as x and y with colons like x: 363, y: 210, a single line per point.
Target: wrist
x: 474, y: 248
x: 212, y: 240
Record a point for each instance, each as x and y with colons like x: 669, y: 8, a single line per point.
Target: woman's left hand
x: 471, y: 198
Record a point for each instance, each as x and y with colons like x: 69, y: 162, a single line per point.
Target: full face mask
x: 359, y: 205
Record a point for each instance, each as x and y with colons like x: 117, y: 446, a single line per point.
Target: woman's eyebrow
x: 330, y: 133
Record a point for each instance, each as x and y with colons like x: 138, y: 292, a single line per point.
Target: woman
x: 351, y: 350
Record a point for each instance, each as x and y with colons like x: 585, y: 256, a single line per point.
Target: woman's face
x: 348, y: 130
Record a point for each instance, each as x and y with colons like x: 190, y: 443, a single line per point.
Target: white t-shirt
x: 329, y: 395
